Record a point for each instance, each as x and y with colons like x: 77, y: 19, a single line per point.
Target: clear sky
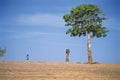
x: 36, y: 27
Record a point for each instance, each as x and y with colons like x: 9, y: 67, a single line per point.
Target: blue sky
x: 36, y: 27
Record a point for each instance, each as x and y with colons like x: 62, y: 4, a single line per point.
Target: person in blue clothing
x: 27, y: 57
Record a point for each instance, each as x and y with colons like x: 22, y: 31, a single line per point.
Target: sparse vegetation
x: 2, y: 52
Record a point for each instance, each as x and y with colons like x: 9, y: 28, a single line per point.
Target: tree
x: 2, y: 52
x: 86, y: 19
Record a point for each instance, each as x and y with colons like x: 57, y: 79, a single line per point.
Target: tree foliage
x: 2, y: 51
x: 85, y: 18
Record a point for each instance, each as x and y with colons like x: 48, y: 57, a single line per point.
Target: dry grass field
x: 58, y: 71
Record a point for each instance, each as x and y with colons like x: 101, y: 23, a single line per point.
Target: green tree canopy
x: 86, y: 19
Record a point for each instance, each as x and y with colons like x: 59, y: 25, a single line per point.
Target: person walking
x: 67, y: 55
x: 27, y: 57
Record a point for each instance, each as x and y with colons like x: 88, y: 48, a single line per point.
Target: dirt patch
x: 58, y: 71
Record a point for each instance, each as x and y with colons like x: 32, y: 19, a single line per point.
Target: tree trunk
x: 89, y: 49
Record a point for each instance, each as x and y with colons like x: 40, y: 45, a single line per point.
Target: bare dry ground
x: 58, y: 71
